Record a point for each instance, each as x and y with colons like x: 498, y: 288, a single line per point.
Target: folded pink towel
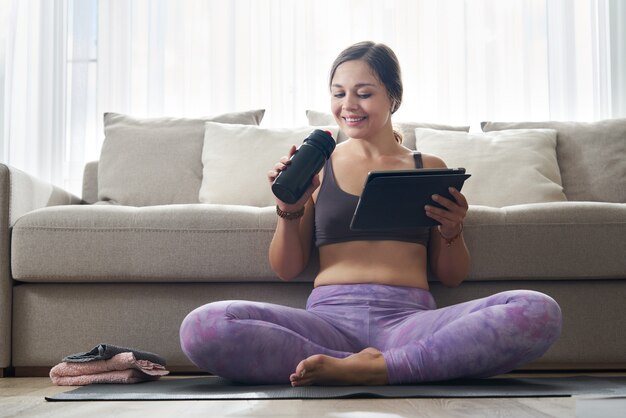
x: 121, y: 368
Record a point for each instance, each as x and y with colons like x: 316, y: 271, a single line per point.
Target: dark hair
x: 383, y: 61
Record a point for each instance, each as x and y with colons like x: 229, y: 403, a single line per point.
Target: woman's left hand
x: 451, y: 218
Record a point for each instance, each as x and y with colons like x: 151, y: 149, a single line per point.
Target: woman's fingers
x: 459, y: 197
x: 283, y: 163
x: 452, y: 213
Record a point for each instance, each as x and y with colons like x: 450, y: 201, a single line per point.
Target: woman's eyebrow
x: 357, y: 85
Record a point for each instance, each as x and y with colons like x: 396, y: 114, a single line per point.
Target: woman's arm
x: 291, y: 245
x: 448, y: 255
x: 290, y: 248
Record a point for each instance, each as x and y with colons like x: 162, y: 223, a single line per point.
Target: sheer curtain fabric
x: 65, y: 62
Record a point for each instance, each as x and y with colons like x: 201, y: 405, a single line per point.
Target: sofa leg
x: 31, y: 372
x: 7, y: 372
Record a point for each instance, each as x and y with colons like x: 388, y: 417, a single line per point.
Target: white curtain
x: 32, y: 66
x: 463, y: 61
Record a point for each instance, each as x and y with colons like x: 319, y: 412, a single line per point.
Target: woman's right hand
x: 283, y: 165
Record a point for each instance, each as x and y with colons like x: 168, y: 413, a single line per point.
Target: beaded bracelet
x: 290, y: 216
x: 450, y: 241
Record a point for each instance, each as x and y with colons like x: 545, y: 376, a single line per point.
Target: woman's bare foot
x: 366, y: 367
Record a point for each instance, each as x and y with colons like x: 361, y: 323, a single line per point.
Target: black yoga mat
x: 215, y: 388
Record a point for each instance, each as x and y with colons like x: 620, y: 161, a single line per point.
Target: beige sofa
x: 158, y: 232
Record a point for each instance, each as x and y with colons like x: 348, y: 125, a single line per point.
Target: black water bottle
x: 290, y: 184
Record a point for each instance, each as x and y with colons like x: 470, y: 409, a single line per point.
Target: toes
x: 300, y: 369
x: 305, y: 373
x: 297, y: 377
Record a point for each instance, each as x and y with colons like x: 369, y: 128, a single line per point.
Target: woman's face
x: 359, y: 101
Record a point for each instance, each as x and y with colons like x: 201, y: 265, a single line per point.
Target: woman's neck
x: 377, y: 146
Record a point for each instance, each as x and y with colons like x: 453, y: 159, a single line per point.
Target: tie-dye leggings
x: 263, y: 343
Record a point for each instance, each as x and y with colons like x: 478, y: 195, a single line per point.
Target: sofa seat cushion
x: 556, y: 240
x: 110, y: 243
x: 215, y: 243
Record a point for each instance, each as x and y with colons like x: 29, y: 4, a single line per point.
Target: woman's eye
x: 340, y: 95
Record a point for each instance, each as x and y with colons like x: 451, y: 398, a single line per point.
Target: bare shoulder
x: 432, y: 161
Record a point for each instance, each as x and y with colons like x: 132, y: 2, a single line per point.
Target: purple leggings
x: 262, y: 343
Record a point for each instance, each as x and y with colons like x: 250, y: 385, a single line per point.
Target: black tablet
x: 395, y: 199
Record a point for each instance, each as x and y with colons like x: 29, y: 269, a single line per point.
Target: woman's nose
x: 350, y: 102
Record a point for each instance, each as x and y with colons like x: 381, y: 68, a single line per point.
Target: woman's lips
x: 354, y: 120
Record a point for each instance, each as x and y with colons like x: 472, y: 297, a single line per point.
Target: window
x: 463, y: 61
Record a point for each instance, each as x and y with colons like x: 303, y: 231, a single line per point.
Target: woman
x: 370, y: 319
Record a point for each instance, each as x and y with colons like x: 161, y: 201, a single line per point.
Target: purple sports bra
x: 334, y: 209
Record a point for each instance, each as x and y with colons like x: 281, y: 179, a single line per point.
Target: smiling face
x: 360, y: 103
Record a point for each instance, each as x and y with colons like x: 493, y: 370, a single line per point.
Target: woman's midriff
x: 381, y: 262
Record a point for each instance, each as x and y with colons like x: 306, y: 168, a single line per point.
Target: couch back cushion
x: 237, y: 158
x: 591, y: 156
x: 407, y: 129
x: 508, y: 168
x: 155, y: 161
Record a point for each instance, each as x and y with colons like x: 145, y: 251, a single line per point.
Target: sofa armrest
x: 20, y: 193
x: 27, y: 193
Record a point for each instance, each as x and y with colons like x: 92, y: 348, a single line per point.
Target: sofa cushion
x: 111, y: 243
x: 90, y: 182
x: 507, y: 167
x: 236, y: 159
x: 558, y: 240
x: 215, y: 243
x: 407, y: 129
x: 591, y: 156
x: 155, y: 161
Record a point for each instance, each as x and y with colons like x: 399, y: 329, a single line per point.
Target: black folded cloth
x: 106, y: 351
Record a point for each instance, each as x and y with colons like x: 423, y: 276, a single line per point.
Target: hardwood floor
x: 24, y: 397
